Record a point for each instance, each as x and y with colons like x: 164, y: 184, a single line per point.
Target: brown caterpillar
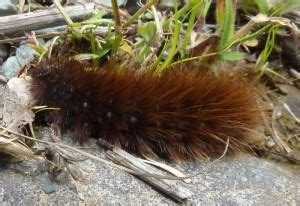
x: 176, y: 115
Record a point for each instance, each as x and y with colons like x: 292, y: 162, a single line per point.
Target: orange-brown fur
x: 175, y: 115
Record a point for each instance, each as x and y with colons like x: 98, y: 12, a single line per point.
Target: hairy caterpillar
x: 176, y: 115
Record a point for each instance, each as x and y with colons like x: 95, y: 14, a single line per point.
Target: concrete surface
x: 243, y: 180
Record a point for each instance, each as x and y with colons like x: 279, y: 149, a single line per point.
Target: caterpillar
x: 176, y: 115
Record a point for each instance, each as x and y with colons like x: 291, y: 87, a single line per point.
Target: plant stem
x: 226, y: 22
x: 140, y: 12
x: 62, y: 11
x: 194, y: 58
x: 116, y: 13
x: 182, y: 11
x: 174, y: 42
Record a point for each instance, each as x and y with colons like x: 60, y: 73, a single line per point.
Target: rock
x: 10, y: 67
x: 25, y: 54
x: 243, y: 180
x: 48, y: 187
x: 286, y: 89
x: 291, y: 106
x: 291, y: 102
x: 7, y: 7
x: 270, y: 143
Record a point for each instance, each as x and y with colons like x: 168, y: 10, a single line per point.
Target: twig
x: 20, y: 23
x: 281, y: 144
x: 176, y: 192
x: 58, y: 31
x: 166, y: 168
x: 19, y: 39
x: 178, y: 178
x: 15, y: 149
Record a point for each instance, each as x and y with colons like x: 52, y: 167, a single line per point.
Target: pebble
x: 24, y: 55
x: 270, y: 143
x: 48, y: 187
x: 10, y: 67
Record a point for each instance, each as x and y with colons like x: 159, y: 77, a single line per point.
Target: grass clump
x: 158, y: 42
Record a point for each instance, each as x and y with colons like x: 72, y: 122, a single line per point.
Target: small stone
x: 25, y: 54
x: 270, y: 143
x: 48, y: 187
x: 10, y: 67
x: 278, y: 114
